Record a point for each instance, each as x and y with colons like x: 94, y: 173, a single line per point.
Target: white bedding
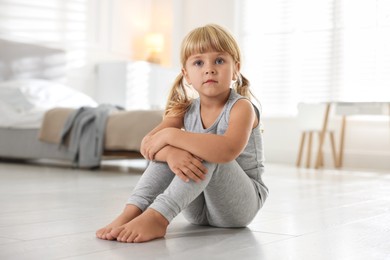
x: 24, y: 102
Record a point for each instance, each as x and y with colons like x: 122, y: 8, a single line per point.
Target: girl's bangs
x: 201, y: 42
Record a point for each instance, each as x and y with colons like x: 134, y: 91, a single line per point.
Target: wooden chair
x: 313, y: 120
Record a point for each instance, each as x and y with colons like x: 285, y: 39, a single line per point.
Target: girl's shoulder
x: 244, y: 102
x: 232, y: 100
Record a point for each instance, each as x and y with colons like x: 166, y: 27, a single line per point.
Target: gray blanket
x: 85, y: 131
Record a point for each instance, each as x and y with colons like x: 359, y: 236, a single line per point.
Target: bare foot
x: 130, y: 212
x: 148, y: 226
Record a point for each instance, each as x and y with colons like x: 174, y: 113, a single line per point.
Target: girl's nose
x: 210, y: 70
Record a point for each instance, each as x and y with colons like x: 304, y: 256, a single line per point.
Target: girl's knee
x: 196, y: 220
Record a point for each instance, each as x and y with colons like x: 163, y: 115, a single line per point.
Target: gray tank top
x: 252, y: 158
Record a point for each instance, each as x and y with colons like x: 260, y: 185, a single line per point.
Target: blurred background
x: 294, y: 51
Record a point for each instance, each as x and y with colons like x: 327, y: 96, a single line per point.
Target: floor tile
x: 53, y: 211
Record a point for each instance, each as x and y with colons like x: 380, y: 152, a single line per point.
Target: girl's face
x: 210, y: 73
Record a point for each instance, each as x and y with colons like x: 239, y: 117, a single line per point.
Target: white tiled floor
x: 53, y: 212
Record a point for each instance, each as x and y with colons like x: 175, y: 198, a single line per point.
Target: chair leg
x: 323, y: 131
x: 321, y: 153
x: 308, y: 158
x: 342, y: 136
x: 300, y: 152
x: 334, y: 155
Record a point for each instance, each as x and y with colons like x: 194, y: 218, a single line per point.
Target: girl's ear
x: 185, y: 75
x: 236, y: 70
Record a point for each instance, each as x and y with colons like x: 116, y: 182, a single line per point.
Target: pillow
x: 25, y: 94
x: 13, y: 99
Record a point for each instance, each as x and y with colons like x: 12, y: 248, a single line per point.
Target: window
x: 312, y: 51
x: 52, y: 22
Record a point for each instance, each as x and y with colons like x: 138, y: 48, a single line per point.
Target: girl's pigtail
x: 178, y: 100
x: 242, y: 87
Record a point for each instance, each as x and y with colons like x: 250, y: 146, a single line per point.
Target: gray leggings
x: 226, y: 198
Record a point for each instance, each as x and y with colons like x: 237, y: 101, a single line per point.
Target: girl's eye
x: 219, y: 61
x: 198, y: 63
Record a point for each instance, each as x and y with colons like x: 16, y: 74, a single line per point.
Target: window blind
x: 313, y: 51
x: 52, y: 22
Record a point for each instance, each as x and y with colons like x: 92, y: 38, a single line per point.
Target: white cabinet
x: 134, y: 85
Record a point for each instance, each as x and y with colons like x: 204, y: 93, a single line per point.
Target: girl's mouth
x: 211, y: 81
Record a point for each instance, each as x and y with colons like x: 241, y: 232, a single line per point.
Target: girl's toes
x: 115, y: 232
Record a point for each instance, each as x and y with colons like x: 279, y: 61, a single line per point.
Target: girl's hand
x: 146, y: 145
x: 145, y: 140
x: 151, y: 144
x: 186, y: 166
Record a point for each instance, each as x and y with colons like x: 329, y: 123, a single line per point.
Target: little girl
x: 207, y: 153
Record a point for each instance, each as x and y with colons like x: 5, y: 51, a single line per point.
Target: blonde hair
x: 210, y: 37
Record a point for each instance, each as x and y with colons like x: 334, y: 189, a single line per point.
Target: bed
x: 31, y: 84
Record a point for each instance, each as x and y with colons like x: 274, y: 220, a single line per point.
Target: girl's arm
x: 182, y: 163
x: 210, y: 147
x: 167, y: 122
